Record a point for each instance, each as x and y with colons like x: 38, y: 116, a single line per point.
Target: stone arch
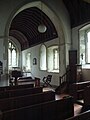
x: 54, y: 18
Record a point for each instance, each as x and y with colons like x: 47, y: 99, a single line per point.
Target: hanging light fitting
x: 42, y: 27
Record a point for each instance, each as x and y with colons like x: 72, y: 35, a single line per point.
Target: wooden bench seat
x: 27, y: 100
x: 81, y: 116
x: 52, y: 110
x: 86, y: 99
x: 87, y: 96
x: 4, y: 88
x: 25, y: 80
x: 77, y: 89
x: 20, y: 92
x: 28, y: 80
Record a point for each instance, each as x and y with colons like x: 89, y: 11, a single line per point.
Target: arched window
x: 28, y: 65
x: 12, y: 55
x: 49, y: 58
x: 43, y: 57
x: 84, y: 34
x: 53, y: 58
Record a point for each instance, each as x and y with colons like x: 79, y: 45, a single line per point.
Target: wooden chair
x: 47, y: 80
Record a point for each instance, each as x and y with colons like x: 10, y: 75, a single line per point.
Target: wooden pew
x: 85, y: 102
x: 20, y: 92
x: 77, y: 89
x: 4, y: 88
x: 86, y: 96
x: 27, y: 100
x: 86, y: 99
x: 52, y: 110
x: 28, y: 80
x: 82, y: 116
x: 25, y: 80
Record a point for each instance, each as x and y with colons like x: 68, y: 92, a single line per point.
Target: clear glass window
x: 56, y: 59
x: 43, y: 57
x: 28, y: 65
x: 53, y: 59
x: 12, y: 55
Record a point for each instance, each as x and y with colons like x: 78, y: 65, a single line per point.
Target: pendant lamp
x: 42, y: 27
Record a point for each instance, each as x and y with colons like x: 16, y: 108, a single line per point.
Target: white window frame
x: 10, y: 49
x: 28, y: 62
x: 51, y: 59
x: 83, y: 45
x: 56, y: 59
x: 43, y: 62
x: 47, y: 58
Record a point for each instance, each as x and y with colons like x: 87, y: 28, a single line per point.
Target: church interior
x: 45, y: 60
